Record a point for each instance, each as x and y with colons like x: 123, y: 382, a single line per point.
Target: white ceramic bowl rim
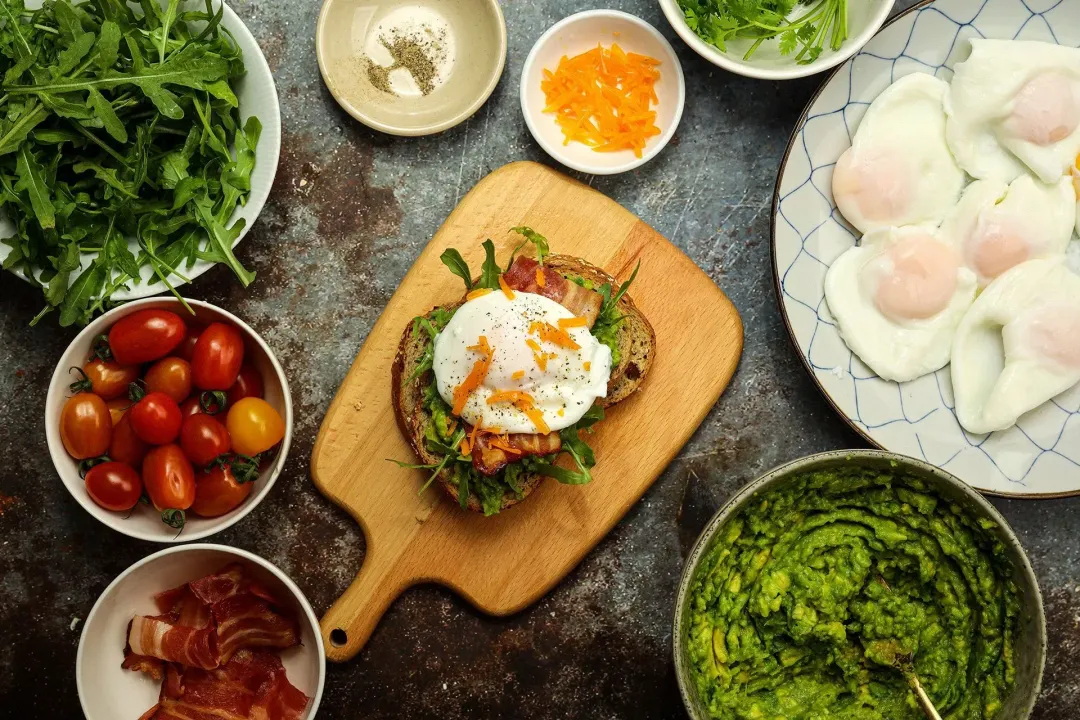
x: 721, y: 59
x: 555, y: 151
x: 298, y: 595
x: 116, y: 522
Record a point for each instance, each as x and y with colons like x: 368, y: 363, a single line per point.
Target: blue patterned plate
x: 1040, y: 457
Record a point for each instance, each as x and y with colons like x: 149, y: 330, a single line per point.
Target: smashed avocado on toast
x: 484, y: 469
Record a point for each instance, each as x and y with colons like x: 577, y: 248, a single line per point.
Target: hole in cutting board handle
x: 338, y: 637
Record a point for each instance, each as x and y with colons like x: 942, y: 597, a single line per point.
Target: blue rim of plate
x: 777, y: 283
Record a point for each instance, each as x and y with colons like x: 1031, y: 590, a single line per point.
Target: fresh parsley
x: 119, y: 122
x: 819, y: 22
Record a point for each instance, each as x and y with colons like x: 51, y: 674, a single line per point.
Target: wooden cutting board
x: 504, y: 563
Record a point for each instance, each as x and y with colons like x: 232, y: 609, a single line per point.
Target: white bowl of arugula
x: 137, y: 146
x: 776, y: 39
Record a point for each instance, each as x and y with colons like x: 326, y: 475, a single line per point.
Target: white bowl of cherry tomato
x: 168, y: 423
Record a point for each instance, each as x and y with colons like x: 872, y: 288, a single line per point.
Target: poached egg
x: 517, y: 362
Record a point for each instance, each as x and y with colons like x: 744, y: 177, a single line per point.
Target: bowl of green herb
x: 137, y: 146
x: 776, y: 39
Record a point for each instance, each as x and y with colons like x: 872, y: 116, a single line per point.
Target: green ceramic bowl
x: 1031, y: 640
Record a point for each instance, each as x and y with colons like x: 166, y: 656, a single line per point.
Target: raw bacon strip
x: 152, y: 666
x: 522, y: 276
x: 493, y: 452
x: 215, y: 588
x: 248, y: 620
x: 159, y: 637
x: 252, y: 686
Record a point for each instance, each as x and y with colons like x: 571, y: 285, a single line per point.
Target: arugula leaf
x: 536, y: 239
x: 490, y: 272
x: 166, y: 25
x: 452, y: 259
x: 32, y: 181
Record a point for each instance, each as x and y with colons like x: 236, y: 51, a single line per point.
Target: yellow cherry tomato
x: 254, y: 425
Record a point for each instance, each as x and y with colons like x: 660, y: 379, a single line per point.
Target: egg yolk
x: 921, y: 280
x: 875, y: 183
x: 1045, y: 111
x: 995, y: 249
x: 1054, y: 333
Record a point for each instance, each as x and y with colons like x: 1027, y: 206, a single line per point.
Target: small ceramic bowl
x: 1030, y: 648
x: 108, y: 692
x: 143, y: 522
x: 581, y: 32
x: 466, y: 38
x: 864, y: 19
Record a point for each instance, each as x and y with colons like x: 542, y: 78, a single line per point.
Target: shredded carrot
x: 524, y: 402
x: 506, y: 289
x: 541, y: 359
x: 473, y: 434
x: 603, y: 98
x: 517, y: 375
x: 476, y: 375
x: 588, y: 366
x: 540, y: 279
x: 479, y: 292
x: 465, y: 447
x: 503, y: 443
x: 572, y: 322
x: 556, y: 336
x: 507, y: 396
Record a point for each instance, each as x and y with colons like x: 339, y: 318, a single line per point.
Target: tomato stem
x: 83, y: 385
x: 174, y: 518
x: 137, y: 390
x: 100, y: 350
x: 212, y: 402
x: 86, y: 465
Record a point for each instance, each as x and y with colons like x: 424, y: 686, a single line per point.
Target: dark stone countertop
x: 350, y: 211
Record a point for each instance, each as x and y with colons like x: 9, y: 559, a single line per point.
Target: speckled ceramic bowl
x: 1031, y: 639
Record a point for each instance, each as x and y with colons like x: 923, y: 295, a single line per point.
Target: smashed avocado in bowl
x: 795, y: 587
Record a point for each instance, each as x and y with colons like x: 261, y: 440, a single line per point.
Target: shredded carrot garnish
x: 541, y: 358
x: 473, y: 434
x: 506, y: 289
x: 517, y: 375
x: 540, y: 279
x: 479, y: 292
x: 476, y: 375
x: 524, y: 402
x: 465, y: 447
x: 495, y: 430
x: 508, y: 396
x: 587, y: 366
x: 572, y: 322
x: 556, y: 336
x: 603, y: 98
x: 503, y: 443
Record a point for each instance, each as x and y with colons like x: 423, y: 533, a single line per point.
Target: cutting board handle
x: 350, y: 621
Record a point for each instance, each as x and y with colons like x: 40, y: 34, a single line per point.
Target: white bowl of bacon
x: 201, y: 631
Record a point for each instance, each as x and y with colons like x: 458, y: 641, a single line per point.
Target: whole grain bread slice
x: 637, y: 347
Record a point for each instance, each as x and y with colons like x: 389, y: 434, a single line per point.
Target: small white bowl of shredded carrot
x: 602, y: 92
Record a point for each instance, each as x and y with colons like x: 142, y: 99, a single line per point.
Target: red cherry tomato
x: 85, y: 426
x: 114, y: 486
x: 218, y: 355
x: 217, y: 492
x: 170, y: 375
x: 126, y: 446
x: 156, y: 418
x: 106, y: 378
x: 145, y: 335
x: 249, y: 383
x: 187, y: 347
x: 118, y: 407
x: 203, y: 439
x: 254, y: 426
x: 169, y: 478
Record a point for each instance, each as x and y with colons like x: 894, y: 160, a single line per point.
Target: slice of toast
x: 637, y: 346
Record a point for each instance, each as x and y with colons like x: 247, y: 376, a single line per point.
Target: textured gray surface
x: 350, y: 212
